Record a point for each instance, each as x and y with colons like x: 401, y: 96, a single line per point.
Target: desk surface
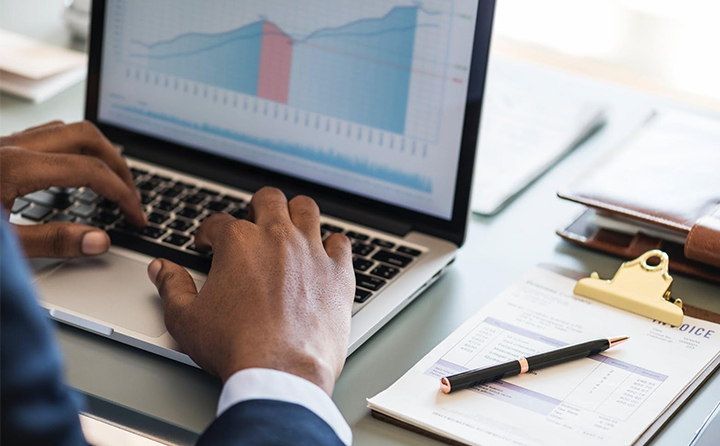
x: 498, y: 250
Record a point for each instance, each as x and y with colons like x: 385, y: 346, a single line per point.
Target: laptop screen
x: 367, y: 97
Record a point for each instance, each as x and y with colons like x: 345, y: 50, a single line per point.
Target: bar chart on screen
x: 351, y: 87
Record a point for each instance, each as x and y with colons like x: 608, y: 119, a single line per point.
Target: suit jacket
x: 37, y: 408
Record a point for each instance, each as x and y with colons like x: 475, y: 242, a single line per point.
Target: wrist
x: 307, y: 367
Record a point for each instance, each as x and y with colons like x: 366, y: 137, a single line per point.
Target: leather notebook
x: 660, y: 190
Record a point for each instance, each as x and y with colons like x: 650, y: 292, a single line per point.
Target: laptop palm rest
x: 111, y: 289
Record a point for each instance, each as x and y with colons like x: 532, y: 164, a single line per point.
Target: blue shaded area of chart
x: 329, y: 158
x: 359, y: 72
x: 229, y: 60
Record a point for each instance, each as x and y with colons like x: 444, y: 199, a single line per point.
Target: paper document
x: 525, y: 129
x: 611, y: 398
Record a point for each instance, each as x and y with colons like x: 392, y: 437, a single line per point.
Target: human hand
x: 275, y: 297
x: 65, y: 155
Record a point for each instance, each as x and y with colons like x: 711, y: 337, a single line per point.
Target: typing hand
x: 275, y: 297
x: 72, y: 155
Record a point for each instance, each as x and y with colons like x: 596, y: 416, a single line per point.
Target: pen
x: 523, y: 365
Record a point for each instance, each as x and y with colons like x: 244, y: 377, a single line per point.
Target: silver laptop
x: 372, y: 108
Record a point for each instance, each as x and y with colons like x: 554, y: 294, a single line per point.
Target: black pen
x: 523, y: 365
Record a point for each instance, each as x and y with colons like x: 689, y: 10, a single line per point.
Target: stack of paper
x: 37, y: 71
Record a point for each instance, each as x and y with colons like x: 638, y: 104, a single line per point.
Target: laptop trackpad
x: 111, y: 288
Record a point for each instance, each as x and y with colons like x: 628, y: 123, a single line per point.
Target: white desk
x: 498, y: 250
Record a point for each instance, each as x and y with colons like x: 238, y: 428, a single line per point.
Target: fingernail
x: 154, y: 269
x: 94, y: 243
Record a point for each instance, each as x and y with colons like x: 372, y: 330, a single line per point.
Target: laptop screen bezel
x: 249, y: 177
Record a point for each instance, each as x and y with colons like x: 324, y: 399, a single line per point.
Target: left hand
x: 72, y: 155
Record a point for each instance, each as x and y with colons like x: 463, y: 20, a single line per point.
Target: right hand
x: 275, y: 297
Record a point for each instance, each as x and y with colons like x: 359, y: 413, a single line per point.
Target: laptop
x: 372, y: 108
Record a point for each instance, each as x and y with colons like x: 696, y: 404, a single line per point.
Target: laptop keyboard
x: 175, y: 211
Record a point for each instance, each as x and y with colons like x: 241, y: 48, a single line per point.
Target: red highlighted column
x: 275, y: 64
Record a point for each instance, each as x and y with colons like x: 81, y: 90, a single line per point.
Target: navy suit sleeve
x: 269, y: 423
x: 37, y: 407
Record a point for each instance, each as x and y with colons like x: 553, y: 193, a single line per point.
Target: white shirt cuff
x: 268, y: 384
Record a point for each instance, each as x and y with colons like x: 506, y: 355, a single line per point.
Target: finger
x: 176, y: 288
x: 62, y: 240
x: 210, y: 232
x: 28, y: 171
x: 269, y: 205
x: 81, y: 138
x: 305, y: 214
x: 42, y: 126
x: 339, y: 248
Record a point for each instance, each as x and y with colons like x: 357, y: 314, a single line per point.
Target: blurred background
x: 667, y: 47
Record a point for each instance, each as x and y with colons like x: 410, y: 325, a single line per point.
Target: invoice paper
x: 608, y: 399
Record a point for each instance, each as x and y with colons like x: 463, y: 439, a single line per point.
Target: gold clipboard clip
x: 638, y: 287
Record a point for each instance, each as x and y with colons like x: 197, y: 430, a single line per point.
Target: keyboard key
x: 239, y: 213
x: 371, y: 283
x: 125, y: 226
x: 177, y: 239
x: 83, y: 210
x: 383, y: 243
x: 154, y: 249
x: 392, y: 258
x: 232, y: 199
x: 152, y: 232
x: 37, y: 212
x: 171, y: 192
x: 189, y: 213
x: 331, y: 228
x: 194, y: 199
x: 214, y: 193
x: 217, y: 206
x: 108, y: 205
x: 106, y: 218
x: 362, y: 249
x: 149, y: 185
x: 19, y: 205
x: 45, y: 198
x: 147, y: 198
x: 357, y: 236
x: 41, y: 197
x: 157, y: 218
x: 61, y: 218
x: 86, y: 196
x: 362, y: 295
x: 409, y: 251
x: 166, y: 206
x: 180, y: 225
x: 384, y: 271
x: 361, y: 264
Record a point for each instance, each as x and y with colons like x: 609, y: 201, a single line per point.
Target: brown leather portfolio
x: 665, y: 183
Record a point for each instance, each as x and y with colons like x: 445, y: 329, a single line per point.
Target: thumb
x: 62, y: 240
x: 177, y: 289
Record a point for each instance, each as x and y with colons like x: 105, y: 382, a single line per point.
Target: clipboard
x: 653, y: 429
